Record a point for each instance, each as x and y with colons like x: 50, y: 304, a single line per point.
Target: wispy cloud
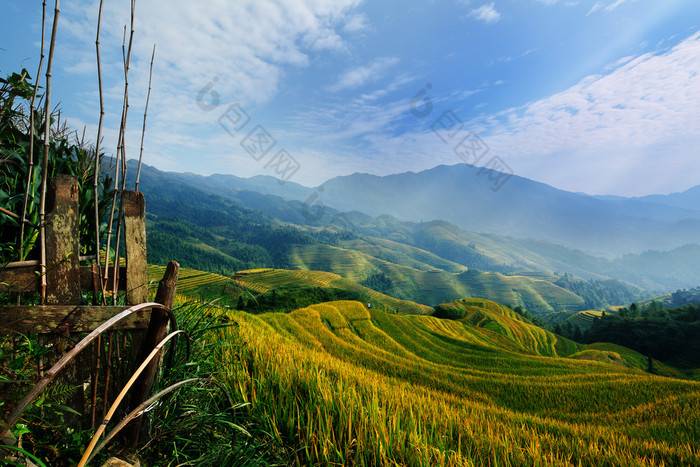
x: 242, y: 50
x: 486, y: 13
x: 510, y: 58
x: 361, y: 75
x: 606, y: 6
x: 639, y: 121
x: 356, y: 23
x: 642, y: 110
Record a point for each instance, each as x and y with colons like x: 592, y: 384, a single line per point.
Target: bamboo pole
x: 109, y: 229
x: 121, y: 151
x: 145, y: 112
x: 122, y: 131
x: 100, y: 430
x: 108, y: 373
x: 45, y: 165
x: 96, y: 178
x: 31, y: 132
x: 139, y: 411
x: 115, y: 192
x: 95, y: 374
x: 16, y: 216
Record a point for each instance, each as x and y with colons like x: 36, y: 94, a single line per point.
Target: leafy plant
x: 200, y: 424
x: 67, y: 155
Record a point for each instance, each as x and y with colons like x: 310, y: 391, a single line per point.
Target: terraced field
x: 189, y: 280
x: 432, y: 286
x: 584, y: 319
x: 266, y: 279
x: 350, y: 386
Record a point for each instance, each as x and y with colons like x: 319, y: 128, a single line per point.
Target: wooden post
x: 134, y: 205
x: 63, y: 275
x: 157, y: 330
x: 62, y: 244
x: 135, y: 239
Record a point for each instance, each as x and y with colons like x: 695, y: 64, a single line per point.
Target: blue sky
x: 593, y: 96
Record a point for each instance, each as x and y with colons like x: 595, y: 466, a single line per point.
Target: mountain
x: 688, y: 199
x: 226, y: 230
x: 463, y: 195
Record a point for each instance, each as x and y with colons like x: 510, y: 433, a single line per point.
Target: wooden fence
x: 63, y: 316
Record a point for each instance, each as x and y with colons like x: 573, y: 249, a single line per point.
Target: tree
x: 578, y: 335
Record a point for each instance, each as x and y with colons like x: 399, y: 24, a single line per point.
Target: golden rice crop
x: 350, y: 386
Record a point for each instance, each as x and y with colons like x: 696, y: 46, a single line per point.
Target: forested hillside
x: 423, y: 261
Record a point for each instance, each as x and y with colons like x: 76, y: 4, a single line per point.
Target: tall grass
x: 203, y: 424
x: 348, y: 386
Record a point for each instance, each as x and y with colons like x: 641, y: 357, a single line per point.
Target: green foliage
x: 42, y: 431
x: 200, y: 424
x: 450, y: 311
x: 66, y: 156
x: 601, y: 293
x: 672, y: 336
x: 210, y: 233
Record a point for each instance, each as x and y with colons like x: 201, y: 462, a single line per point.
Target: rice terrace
x: 349, y: 233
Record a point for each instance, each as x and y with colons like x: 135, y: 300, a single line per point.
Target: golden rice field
x: 584, y: 319
x: 264, y: 280
x: 189, y: 280
x: 345, y: 385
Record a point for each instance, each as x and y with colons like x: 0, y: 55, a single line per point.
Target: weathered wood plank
x: 26, y: 279
x: 62, y: 244
x: 135, y: 239
x: 66, y: 319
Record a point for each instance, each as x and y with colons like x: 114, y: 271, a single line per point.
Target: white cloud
x: 486, y: 13
x: 356, y: 23
x: 609, y: 7
x: 616, y: 123
x: 362, y: 75
x: 243, y: 49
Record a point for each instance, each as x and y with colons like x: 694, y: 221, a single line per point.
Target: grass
x: 269, y: 279
x: 351, y: 386
x: 427, y: 283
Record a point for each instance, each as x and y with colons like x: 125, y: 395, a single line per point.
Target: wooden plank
x: 26, y: 279
x: 135, y: 239
x: 66, y: 319
x: 62, y: 244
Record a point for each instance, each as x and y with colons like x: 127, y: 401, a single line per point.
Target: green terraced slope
x: 433, y: 286
x: 345, y: 385
x: 262, y: 280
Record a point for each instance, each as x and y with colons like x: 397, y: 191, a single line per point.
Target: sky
x: 599, y: 97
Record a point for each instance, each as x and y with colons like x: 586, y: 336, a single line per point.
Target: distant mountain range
x: 225, y: 223
x: 522, y: 208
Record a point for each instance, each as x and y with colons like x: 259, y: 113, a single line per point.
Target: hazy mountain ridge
x: 420, y: 246
x: 521, y: 208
